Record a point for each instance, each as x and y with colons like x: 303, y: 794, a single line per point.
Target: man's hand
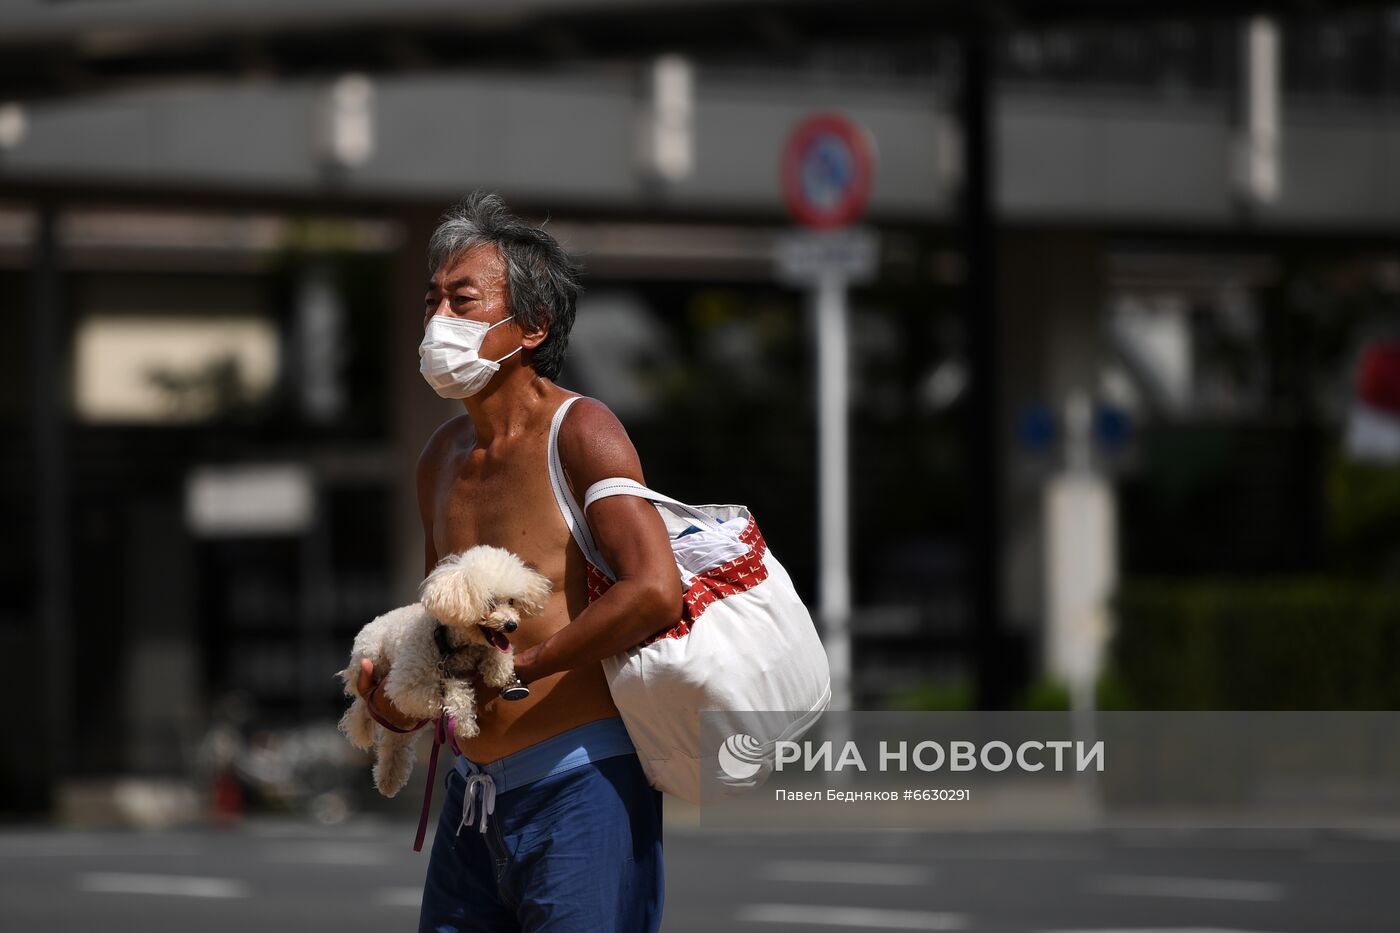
x: 524, y: 664
x: 380, y: 703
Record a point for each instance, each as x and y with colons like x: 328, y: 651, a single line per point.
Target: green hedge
x: 1313, y: 643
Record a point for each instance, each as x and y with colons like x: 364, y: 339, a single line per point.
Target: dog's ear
x: 535, y: 593
x: 453, y: 592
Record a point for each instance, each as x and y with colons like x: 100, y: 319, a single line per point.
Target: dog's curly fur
x: 481, y: 588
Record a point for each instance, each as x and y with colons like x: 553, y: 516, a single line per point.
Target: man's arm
x: 426, y: 479
x: 427, y: 485
x: 646, y: 598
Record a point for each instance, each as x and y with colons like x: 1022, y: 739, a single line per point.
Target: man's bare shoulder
x: 450, y: 435
x: 591, y: 413
x: 594, y: 445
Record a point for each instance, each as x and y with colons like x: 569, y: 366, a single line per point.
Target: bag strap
x: 622, y: 486
x: 568, y: 505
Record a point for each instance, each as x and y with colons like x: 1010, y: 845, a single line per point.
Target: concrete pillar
x: 49, y: 396
x: 985, y: 458
x: 1050, y: 347
x: 417, y: 409
x: 164, y: 709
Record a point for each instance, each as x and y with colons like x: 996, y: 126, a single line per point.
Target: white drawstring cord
x: 488, y: 799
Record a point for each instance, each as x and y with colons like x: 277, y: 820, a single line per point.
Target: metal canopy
x: 64, y: 47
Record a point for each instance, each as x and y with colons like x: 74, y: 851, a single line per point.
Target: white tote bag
x: 745, y: 651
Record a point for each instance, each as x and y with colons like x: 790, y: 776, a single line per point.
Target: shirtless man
x: 549, y: 822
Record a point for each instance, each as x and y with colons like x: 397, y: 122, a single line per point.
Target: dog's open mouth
x: 496, y: 638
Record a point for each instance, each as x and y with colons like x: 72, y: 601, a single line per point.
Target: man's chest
x: 504, y: 499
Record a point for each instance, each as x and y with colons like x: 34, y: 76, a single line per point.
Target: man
x: 550, y: 823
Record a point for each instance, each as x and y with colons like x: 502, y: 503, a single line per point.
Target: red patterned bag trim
x: 735, y: 576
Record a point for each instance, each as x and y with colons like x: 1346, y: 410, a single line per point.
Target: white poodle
x: 477, y: 595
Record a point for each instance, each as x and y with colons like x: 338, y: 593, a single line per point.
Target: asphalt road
x: 268, y: 876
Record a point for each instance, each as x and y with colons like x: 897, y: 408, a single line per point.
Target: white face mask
x: 448, y: 356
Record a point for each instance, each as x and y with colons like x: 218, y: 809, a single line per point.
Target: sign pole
x: 826, y: 173
x: 833, y: 401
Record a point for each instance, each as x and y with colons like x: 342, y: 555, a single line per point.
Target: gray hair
x: 542, y: 282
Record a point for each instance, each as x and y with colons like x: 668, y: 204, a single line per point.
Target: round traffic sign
x: 826, y: 171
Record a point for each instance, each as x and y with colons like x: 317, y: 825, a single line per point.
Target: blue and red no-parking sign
x: 826, y: 171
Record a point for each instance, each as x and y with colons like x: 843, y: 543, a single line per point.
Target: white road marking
x: 399, y: 897
x: 868, y: 918
x: 293, y: 829
x: 1027, y: 852
x: 1205, y: 889
x: 327, y: 853
x: 1163, y: 838
x: 1159, y: 930
x: 845, y: 872
x: 59, y: 851
x: 74, y: 845
x: 886, y: 840
x: 1376, y: 833
x: 25, y: 845
x: 1333, y: 857
x: 170, y: 885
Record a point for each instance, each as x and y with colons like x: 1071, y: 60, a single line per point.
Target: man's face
x: 472, y: 286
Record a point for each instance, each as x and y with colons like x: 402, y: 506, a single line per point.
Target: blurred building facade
x: 211, y: 276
